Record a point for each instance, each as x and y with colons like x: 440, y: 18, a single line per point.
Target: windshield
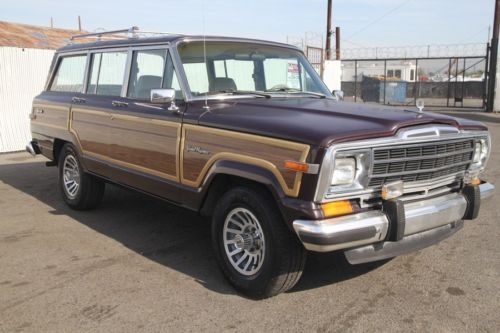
x: 233, y: 67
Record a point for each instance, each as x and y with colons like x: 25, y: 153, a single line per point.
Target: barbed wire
x: 416, y: 51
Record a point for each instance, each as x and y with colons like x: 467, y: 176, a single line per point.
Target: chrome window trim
x: 413, y: 135
x: 179, y: 71
x: 87, y: 75
x: 126, y: 75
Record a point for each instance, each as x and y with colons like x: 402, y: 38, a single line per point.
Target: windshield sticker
x: 292, y: 76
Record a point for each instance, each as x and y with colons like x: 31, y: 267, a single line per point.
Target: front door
x: 144, y: 137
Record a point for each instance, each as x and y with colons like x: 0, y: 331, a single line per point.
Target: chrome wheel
x: 71, y: 176
x: 244, y: 241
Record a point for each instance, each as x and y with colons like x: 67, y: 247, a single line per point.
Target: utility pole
x: 493, y: 59
x: 51, y: 22
x: 329, y: 31
x: 79, y: 23
x: 337, y: 43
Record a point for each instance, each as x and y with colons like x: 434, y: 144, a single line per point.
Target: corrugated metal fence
x: 22, y: 76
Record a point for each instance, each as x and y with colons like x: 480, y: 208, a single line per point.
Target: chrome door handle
x: 119, y: 104
x: 78, y: 100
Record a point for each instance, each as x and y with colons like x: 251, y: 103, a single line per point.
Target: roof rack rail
x: 132, y: 32
x: 112, y: 33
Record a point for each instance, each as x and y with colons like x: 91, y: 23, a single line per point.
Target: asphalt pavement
x: 138, y: 264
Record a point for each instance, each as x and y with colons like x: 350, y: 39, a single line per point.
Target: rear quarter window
x: 70, y: 74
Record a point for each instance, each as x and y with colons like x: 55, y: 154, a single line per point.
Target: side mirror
x: 338, y: 94
x: 163, y: 96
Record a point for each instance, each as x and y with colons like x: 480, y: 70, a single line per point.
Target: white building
x: 396, y: 70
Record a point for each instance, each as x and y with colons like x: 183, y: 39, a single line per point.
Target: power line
x: 380, y: 18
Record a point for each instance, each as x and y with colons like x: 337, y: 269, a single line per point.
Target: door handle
x: 78, y: 100
x: 119, y: 104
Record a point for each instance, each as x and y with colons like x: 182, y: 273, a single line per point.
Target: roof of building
x: 36, y: 37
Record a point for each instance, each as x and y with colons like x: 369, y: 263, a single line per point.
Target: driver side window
x: 152, y: 69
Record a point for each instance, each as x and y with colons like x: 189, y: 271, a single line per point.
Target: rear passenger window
x: 70, y: 74
x: 107, y: 73
x: 146, y: 73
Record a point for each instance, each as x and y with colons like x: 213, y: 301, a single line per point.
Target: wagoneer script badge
x: 196, y: 149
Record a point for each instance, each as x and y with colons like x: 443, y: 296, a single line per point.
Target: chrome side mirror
x: 163, y: 96
x: 338, y: 94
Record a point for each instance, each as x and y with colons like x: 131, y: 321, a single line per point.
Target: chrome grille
x: 424, y: 162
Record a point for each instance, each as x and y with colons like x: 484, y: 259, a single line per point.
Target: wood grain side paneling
x: 143, y: 144
x: 92, y: 130
x: 148, y: 144
x: 202, y: 146
x: 53, y: 116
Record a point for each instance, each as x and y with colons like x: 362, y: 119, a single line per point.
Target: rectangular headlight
x: 344, y: 171
x: 481, y: 153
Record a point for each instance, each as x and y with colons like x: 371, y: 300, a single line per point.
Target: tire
x: 80, y: 190
x: 275, y: 257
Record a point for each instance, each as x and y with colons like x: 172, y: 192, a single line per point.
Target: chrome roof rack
x: 132, y: 32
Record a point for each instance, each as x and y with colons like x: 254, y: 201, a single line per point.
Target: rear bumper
x: 32, y: 148
x: 368, y: 234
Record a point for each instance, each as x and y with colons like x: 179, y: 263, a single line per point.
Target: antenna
x: 205, y: 107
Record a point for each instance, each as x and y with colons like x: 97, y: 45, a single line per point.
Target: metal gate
x: 441, y: 82
x: 315, y: 57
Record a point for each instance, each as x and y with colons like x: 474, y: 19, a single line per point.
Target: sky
x: 363, y: 23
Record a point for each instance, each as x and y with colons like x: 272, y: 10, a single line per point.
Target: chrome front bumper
x: 426, y: 222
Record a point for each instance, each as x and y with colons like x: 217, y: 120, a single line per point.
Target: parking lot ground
x: 139, y: 264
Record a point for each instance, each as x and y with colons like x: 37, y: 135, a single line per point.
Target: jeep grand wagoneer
x: 246, y: 133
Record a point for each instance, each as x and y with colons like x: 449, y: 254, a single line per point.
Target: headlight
x: 344, y: 171
x: 481, y: 153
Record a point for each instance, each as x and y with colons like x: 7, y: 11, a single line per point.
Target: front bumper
x: 368, y: 235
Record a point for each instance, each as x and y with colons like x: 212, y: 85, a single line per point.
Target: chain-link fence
x: 444, y: 82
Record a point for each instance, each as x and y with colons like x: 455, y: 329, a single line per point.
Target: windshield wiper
x: 240, y: 92
x: 296, y: 91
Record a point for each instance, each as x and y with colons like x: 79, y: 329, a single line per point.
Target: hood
x: 320, y: 122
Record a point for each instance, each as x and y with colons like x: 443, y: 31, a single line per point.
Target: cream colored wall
x: 22, y: 76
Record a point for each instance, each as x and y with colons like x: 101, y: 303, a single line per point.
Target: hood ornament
x: 420, y: 105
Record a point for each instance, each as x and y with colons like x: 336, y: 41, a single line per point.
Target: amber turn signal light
x: 475, y: 181
x: 336, y: 208
x: 297, y: 166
